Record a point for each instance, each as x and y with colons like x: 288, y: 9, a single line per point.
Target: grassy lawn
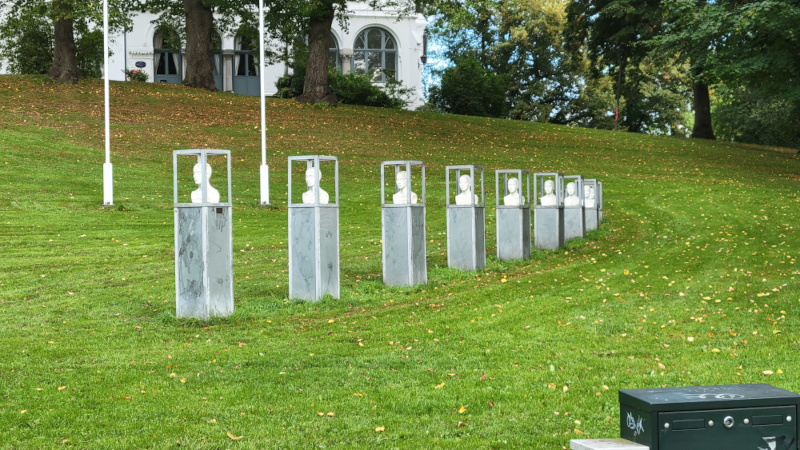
x: 691, y: 279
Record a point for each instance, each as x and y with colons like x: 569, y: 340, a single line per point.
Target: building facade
x: 377, y: 42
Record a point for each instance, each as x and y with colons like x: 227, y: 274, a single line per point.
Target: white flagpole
x: 108, y: 171
x: 262, y: 65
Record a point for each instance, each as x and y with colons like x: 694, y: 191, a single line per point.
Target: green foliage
x: 522, y: 43
x: 26, y: 33
x: 26, y: 40
x: 469, y: 89
x: 136, y: 75
x: 741, y: 115
x: 357, y: 89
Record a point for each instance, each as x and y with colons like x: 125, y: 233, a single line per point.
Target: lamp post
x: 264, y: 167
x: 108, y: 171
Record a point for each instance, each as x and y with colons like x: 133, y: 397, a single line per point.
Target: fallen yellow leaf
x: 380, y: 429
x: 61, y: 388
x: 767, y: 372
x: 439, y: 386
x: 235, y: 438
x: 183, y: 380
x: 331, y: 320
x: 715, y: 350
x: 331, y: 414
x: 462, y: 410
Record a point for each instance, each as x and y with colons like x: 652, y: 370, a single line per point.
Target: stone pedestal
x: 514, y: 232
x: 203, y: 249
x: 548, y: 228
x: 574, y: 223
x: 404, y: 251
x: 466, y: 237
x: 313, y: 252
x: 203, y: 261
x: 605, y: 444
x: 599, y: 199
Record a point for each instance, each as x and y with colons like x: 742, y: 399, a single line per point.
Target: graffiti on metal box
x: 636, y: 426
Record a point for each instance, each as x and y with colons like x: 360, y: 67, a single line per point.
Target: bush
x: 357, y: 89
x: 739, y: 115
x: 136, y: 75
x: 469, y: 89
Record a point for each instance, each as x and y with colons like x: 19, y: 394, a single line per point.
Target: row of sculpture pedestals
x: 203, y: 228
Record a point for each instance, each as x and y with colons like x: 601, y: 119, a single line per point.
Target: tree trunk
x: 315, y: 89
x: 702, y: 112
x: 65, y: 60
x: 199, y: 24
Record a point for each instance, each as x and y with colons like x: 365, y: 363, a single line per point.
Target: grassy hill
x: 691, y: 279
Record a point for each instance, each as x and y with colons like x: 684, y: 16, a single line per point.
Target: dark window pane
x: 374, y: 38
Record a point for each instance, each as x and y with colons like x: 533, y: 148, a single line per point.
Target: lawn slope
x: 691, y: 279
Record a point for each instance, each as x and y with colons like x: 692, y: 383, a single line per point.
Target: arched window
x: 334, y: 58
x: 375, y: 53
x: 166, y: 47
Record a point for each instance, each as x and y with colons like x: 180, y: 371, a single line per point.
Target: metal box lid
x: 693, y: 398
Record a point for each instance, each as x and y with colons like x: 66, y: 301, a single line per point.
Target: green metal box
x: 727, y: 417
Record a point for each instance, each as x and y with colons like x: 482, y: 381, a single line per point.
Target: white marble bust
x: 588, y: 197
x: 212, y: 195
x: 466, y: 197
x: 401, y: 196
x: 549, y: 198
x: 572, y: 199
x: 513, y: 198
x: 313, y: 175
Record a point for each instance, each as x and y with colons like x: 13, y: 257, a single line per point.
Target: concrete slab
x: 605, y: 444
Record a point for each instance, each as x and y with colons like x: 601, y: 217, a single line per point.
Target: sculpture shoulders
x: 548, y: 200
x: 513, y: 200
x: 212, y: 195
x: 572, y: 200
x: 399, y: 198
x: 308, y: 197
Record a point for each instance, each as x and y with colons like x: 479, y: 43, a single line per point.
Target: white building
x: 377, y: 42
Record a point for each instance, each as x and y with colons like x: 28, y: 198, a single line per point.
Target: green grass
x: 700, y: 241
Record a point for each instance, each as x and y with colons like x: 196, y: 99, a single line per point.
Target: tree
x: 616, y: 34
x: 741, y: 44
x: 196, y: 20
x: 523, y: 42
x: 316, y: 17
x: 71, y: 25
x: 320, y: 18
x: 468, y: 88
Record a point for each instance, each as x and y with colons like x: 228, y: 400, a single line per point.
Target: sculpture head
x: 312, y: 176
x: 401, y: 181
x: 571, y: 188
x: 513, y: 185
x: 197, y: 173
x: 464, y: 183
x: 549, y: 186
x: 588, y: 191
